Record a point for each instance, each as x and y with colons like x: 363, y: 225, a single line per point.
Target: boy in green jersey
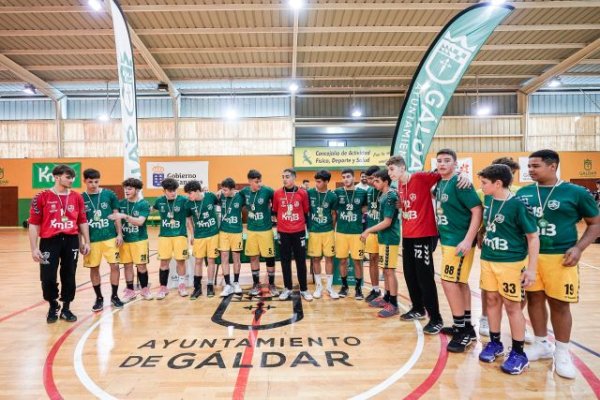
x: 508, y: 263
x: 202, y: 219
x: 133, y: 212
x: 258, y: 201
x: 372, y: 244
x: 172, y: 238
x: 105, y: 236
x: 321, y: 242
x: 558, y: 206
x: 230, y: 234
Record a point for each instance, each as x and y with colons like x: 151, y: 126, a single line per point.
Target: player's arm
x: 118, y: 227
x: 465, y: 246
x: 34, y: 234
x: 592, y: 231
x: 190, y: 228
x: 386, y: 223
x: 533, y: 249
x: 84, y: 238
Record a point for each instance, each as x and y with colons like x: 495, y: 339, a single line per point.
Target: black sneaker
x: 196, y: 293
x: 52, y: 316
x: 412, y: 315
x: 459, y: 343
x: 98, y: 305
x: 343, y: 292
x: 116, y: 302
x: 449, y: 330
x: 433, y: 327
x: 210, y: 291
x: 358, y: 295
x: 68, y: 316
x: 372, y: 296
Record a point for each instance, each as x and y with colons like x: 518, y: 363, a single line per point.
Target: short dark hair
x: 91, y: 173
x: 305, y: 181
x: 547, y: 156
x: 63, y: 169
x: 323, y: 175
x: 347, y: 171
x: 497, y: 172
x: 509, y: 162
x: 228, y: 183
x: 449, y: 152
x: 383, y: 175
x: 372, y: 169
x: 254, y: 174
x: 292, y: 171
x: 192, y: 186
x: 134, y: 183
x: 169, y: 184
x: 396, y: 160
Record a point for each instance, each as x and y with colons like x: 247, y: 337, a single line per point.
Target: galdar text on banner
x: 339, y: 157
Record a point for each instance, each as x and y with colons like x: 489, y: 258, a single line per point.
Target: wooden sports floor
x: 204, y: 349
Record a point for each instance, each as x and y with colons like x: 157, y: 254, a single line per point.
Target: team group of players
x: 528, y: 239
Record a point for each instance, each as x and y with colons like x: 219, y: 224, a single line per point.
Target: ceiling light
x: 483, y: 110
x: 293, y: 87
x: 356, y: 113
x: 296, y: 4
x: 29, y: 89
x: 96, y: 5
x: 336, y: 143
x: 577, y: 118
x: 103, y: 117
x: 231, y: 114
x: 554, y: 83
x: 498, y: 2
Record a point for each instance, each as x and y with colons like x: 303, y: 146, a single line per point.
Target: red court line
x: 588, y: 374
x: 435, y: 374
x: 242, y: 379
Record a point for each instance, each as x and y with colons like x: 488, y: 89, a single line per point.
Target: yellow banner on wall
x: 339, y: 157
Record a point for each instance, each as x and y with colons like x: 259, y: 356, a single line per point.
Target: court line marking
x: 584, y: 264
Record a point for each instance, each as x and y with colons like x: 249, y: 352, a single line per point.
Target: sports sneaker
x: 343, y: 292
x: 471, y: 332
x: 237, y: 289
x: 98, y: 304
x: 285, y: 294
x: 227, y: 290
x: 306, y: 295
x: 182, y: 289
x: 162, y: 293
x: 358, y: 294
x: 412, y: 315
x: 116, y: 302
x: 318, y: 292
x: 379, y: 302
x: 433, y: 327
x: 484, y: 327
x: 52, y: 316
x: 210, y: 291
x: 196, y: 293
x: 332, y: 293
x: 372, y: 296
x: 515, y: 363
x: 146, y: 293
x: 388, y: 311
x: 67, y: 315
x: 539, y: 350
x: 563, y: 365
x: 459, y: 342
x: 529, y: 338
x: 128, y: 295
x: 255, y: 291
x: 274, y: 291
x: 449, y: 330
x: 452, y: 330
x: 491, y: 351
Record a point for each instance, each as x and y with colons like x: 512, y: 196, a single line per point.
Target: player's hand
x: 480, y: 238
x: 463, y: 181
x: 84, y: 249
x: 191, y: 241
x: 116, y: 216
x: 364, y: 236
x: 572, y: 257
x: 527, y: 278
x: 36, y: 255
x: 463, y: 248
x: 119, y: 240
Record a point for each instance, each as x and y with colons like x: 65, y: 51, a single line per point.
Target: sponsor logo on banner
x: 588, y: 169
x: 2, y: 180
x: 41, y: 175
x: 183, y: 172
x: 339, y: 158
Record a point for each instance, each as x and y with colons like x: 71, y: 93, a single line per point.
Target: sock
x: 227, y: 281
x: 561, y: 347
x: 255, y: 276
x: 98, y: 291
x: 483, y: 318
x: 344, y: 281
x: 495, y: 337
x: 115, y: 289
x: 329, y: 281
x: 387, y: 296
x: 394, y: 300
x: 318, y: 280
x: 541, y: 339
x: 181, y: 279
x: 376, y: 289
x: 358, y: 283
x: 130, y: 285
x: 467, y: 317
x: 271, y: 277
x: 517, y: 346
x: 210, y: 282
x: 458, y: 321
x: 236, y: 277
x: 163, y: 277
x: 143, y: 276
x: 66, y: 305
x: 197, y: 280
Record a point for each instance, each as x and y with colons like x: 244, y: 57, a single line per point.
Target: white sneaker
x: 539, y: 351
x: 285, y: 294
x: 237, y: 289
x: 318, y: 292
x: 146, y: 294
x: 484, y: 327
x: 306, y: 295
x: 563, y: 365
x: 227, y: 290
x: 182, y: 290
x: 332, y: 293
x: 529, y: 338
x: 162, y: 293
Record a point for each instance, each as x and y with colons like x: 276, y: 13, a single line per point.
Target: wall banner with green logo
x: 41, y: 175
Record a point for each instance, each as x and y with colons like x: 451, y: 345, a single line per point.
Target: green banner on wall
x: 41, y: 175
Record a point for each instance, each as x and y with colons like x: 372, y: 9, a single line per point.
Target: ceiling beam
x: 27, y: 76
x: 295, y: 45
x: 576, y: 58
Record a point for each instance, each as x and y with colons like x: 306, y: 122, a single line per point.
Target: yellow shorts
x: 260, y: 244
x: 321, y: 244
x: 349, y: 244
x: 173, y: 247
x: 372, y: 244
x: 454, y: 268
x: 503, y: 277
x: 107, y: 249
x: 206, y: 247
x: 134, y: 252
x: 388, y: 256
x: 230, y: 241
x: 557, y: 281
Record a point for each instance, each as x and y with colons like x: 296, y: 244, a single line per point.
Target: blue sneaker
x: 491, y: 351
x: 515, y: 363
